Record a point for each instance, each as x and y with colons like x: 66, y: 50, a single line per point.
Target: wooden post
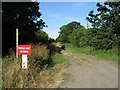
x: 17, y: 43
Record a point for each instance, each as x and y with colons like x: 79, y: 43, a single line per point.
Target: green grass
x: 110, y: 55
x: 59, y: 59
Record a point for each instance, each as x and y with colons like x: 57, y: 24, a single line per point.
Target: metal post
x: 17, y: 43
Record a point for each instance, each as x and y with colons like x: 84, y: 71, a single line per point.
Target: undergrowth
x: 38, y: 73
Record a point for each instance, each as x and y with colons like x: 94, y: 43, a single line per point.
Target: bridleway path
x: 88, y: 72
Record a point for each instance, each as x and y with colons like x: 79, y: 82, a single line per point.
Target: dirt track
x: 87, y: 72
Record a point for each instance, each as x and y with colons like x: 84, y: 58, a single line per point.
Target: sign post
x: 17, y: 43
x: 24, y: 50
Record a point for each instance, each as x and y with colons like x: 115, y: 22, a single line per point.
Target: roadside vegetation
x: 46, y: 63
x: 43, y: 71
x: 109, y: 55
x: 101, y: 39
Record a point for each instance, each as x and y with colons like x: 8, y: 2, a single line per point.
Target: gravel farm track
x: 88, y: 72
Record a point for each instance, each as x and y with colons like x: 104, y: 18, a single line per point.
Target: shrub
x: 78, y: 37
x: 39, y: 56
x: 14, y: 76
x: 41, y: 36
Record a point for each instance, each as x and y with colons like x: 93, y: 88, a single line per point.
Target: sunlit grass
x: 59, y: 59
x: 111, y: 55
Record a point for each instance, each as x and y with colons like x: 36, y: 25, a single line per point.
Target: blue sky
x: 56, y: 14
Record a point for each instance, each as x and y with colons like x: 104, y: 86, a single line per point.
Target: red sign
x: 24, y: 49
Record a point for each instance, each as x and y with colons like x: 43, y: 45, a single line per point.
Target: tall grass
x: 37, y: 75
x: 39, y: 57
x: 110, y: 55
x: 15, y: 76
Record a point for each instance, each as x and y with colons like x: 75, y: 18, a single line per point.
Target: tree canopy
x: 22, y: 15
x: 41, y: 36
x: 104, y: 33
x: 105, y: 25
x: 66, y: 30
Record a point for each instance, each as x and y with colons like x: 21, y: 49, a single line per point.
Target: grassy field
x: 111, y: 55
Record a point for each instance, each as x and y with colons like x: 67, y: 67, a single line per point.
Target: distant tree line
x: 104, y: 33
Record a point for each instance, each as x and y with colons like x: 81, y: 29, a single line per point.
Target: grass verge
x: 46, y: 77
x: 59, y: 59
x: 110, y: 55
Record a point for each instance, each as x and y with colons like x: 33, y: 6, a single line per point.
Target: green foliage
x: 24, y: 16
x: 59, y: 59
x: 41, y: 36
x: 74, y: 38
x: 100, y: 39
x: 78, y: 37
x: 51, y: 40
x: 66, y: 30
x: 111, y: 54
x: 113, y: 17
x: 104, y: 34
x: 62, y: 37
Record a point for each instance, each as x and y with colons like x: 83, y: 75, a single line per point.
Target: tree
x: 51, y: 40
x: 78, y: 37
x: 63, y: 32
x: 66, y: 30
x: 41, y: 36
x: 105, y: 25
x: 110, y: 14
x: 24, y: 16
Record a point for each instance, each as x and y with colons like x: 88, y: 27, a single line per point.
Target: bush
x: 15, y: 76
x: 41, y: 36
x: 78, y: 37
x: 39, y: 56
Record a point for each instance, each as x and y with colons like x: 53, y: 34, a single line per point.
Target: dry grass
x: 39, y: 56
x: 50, y: 78
x: 16, y: 77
